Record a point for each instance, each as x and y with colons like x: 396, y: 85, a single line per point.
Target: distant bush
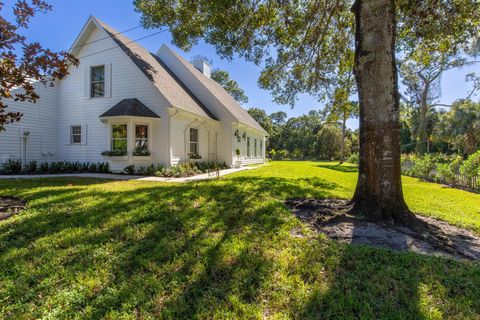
x: 129, y: 169
x: 31, y: 167
x: 423, y: 167
x: 354, y: 158
x: 471, y: 168
x: 12, y: 166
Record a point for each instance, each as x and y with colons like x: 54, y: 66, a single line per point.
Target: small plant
x: 114, y: 153
x: 141, y: 152
x: 92, y: 168
x: 354, y: 158
x: 13, y: 166
x: 423, y: 166
x: 237, y: 152
x: 31, y: 167
x: 194, y: 156
x: 44, y: 167
x: 130, y: 170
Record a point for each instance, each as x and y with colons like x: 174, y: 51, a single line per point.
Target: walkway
x: 203, y: 176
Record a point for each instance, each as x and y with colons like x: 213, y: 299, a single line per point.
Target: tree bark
x: 378, y: 195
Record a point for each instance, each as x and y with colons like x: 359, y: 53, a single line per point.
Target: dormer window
x: 97, y: 81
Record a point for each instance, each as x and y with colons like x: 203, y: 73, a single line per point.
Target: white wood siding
x: 40, y: 119
x: 127, y: 81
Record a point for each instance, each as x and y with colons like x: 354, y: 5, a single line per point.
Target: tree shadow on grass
x: 339, y: 167
x: 199, y: 250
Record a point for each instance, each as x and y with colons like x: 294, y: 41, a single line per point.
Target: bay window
x: 119, y: 137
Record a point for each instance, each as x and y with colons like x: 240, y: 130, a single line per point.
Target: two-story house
x: 148, y: 108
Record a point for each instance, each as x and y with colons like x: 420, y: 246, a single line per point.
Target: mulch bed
x: 10, y: 206
x: 331, y: 217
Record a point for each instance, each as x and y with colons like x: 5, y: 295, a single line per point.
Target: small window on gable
x: 76, y: 134
x: 97, y: 81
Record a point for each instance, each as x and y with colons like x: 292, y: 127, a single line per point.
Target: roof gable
x: 169, y: 86
x: 228, y: 102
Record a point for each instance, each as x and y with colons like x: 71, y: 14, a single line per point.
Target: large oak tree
x: 300, y: 44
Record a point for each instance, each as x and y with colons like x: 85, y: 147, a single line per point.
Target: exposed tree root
x: 10, y: 206
x: 334, y: 218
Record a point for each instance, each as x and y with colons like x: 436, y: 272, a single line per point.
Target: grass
x: 226, y: 249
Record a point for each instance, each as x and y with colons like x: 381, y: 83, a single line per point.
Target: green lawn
x: 89, y: 248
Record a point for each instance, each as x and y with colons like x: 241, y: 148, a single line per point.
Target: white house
x: 125, y: 99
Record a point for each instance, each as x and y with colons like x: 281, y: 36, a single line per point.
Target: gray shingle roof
x: 220, y: 94
x: 163, y: 79
x: 130, y: 107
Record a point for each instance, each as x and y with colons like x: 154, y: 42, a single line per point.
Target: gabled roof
x: 169, y: 86
x: 130, y: 107
x: 232, y: 106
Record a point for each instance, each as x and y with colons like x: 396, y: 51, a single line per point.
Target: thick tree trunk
x: 378, y: 195
x: 342, y: 143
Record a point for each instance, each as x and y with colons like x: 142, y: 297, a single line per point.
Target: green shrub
x: 13, y: 166
x: 31, y: 167
x: 129, y: 169
x: 44, y: 167
x: 423, y: 167
x: 471, y: 167
x: 354, y: 158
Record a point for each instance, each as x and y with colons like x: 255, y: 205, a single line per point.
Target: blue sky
x: 58, y: 28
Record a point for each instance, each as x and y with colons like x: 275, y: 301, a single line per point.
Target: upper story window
x: 97, y: 81
x: 141, y: 137
x: 194, y: 141
x: 76, y: 134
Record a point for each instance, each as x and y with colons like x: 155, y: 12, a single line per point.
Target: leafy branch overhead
x: 35, y: 64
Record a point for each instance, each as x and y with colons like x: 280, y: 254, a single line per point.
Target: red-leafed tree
x: 22, y: 63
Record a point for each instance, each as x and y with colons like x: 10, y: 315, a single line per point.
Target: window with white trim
x: 119, y: 137
x: 248, y: 146
x: 141, y: 137
x: 76, y: 134
x: 194, y: 141
x: 97, y: 81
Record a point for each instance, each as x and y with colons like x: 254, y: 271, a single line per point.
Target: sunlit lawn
x: 221, y: 249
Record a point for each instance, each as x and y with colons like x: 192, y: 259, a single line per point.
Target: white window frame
x: 91, y: 82
x: 111, y: 134
x: 143, y: 139
x: 196, y: 143
x: 72, y: 134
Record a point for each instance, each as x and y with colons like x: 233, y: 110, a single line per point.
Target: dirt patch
x: 10, y: 206
x: 330, y: 217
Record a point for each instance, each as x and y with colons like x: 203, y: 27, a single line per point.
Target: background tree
x: 460, y: 127
x: 421, y: 73
x: 262, y: 118
x: 232, y: 87
x: 301, y: 44
x: 35, y: 64
x: 222, y: 77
